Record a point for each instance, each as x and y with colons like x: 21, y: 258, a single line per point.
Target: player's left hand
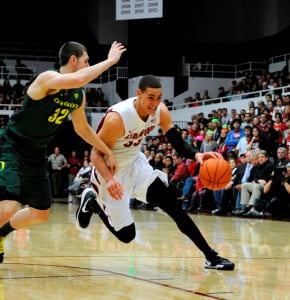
x: 202, y: 157
x: 115, y: 189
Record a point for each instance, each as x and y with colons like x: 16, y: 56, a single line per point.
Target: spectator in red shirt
x: 279, y: 126
x: 197, y: 197
x: 181, y: 170
x: 73, y: 164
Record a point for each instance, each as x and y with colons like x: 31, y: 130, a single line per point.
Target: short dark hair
x: 169, y: 156
x: 270, y: 121
x: 248, y: 127
x: 176, y: 154
x: 68, y: 49
x: 236, y: 121
x: 149, y: 81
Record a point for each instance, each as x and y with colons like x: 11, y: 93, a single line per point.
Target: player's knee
x: 6, y: 213
x: 7, y: 209
x: 127, y: 234
x: 156, y: 191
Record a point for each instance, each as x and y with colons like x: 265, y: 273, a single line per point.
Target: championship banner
x: 138, y: 9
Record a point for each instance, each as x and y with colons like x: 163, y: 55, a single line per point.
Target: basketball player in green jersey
x: 50, y: 98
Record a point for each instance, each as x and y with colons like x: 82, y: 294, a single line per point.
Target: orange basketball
x: 215, y: 173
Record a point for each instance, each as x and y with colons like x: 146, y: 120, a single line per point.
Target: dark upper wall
x: 206, y: 29
x: 227, y: 21
x: 101, y: 21
x: 40, y: 26
x: 207, y: 21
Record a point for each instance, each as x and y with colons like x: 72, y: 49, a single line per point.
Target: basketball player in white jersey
x: 123, y: 128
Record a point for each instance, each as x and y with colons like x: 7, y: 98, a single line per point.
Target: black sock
x: 161, y: 196
x: 6, y: 228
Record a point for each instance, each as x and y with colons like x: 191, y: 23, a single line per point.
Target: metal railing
x: 278, y: 58
x: 285, y: 90
x: 227, y: 71
x: 29, y: 57
x: 191, y: 69
x: 10, y: 72
x: 112, y: 75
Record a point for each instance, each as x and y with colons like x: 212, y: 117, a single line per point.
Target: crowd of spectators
x: 242, y: 89
x: 69, y: 174
x: 12, y: 93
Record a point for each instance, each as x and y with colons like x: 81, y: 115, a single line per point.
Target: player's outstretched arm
x: 88, y: 74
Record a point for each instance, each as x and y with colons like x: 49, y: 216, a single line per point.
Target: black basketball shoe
x: 213, y: 261
x: 87, y: 207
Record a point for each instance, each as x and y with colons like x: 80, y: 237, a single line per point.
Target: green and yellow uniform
x: 23, y: 147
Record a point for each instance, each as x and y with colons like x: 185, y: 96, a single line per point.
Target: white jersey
x: 128, y: 147
x: 134, y: 172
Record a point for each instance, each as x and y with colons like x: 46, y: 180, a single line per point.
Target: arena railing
x: 221, y: 70
x: 11, y: 73
x: 278, y: 58
x: 285, y: 90
x: 110, y: 75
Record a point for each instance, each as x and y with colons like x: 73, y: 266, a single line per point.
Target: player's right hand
x: 116, y: 50
x: 202, y: 157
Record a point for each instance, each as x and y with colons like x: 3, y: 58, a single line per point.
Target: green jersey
x: 39, y: 120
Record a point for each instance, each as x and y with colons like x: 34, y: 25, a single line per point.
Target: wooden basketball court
x: 57, y: 260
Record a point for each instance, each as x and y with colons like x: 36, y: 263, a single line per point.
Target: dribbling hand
x: 202, y: 157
